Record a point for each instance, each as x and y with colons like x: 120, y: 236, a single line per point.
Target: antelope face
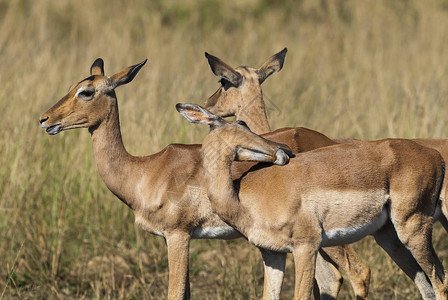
x: 230, y: 98
x: 89, y: 101
x: 85, y: 105
x: 233, y: 140
x: 240, y: 87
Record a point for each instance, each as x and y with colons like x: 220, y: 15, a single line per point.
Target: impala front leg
x: 305, y: 263
x: 178, y: 244
x: 274, y: 271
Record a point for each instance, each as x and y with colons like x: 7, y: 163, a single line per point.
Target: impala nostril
x: 43, y: 120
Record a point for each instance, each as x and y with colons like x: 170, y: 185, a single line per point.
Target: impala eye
x: 242, y: 123
x: 225, y: 84
x: 86, y: 93
x: 223, y: 81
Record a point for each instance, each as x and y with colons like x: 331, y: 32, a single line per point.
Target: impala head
x: 240, y: 87
x: 234, y: 140
x: 89, y: 101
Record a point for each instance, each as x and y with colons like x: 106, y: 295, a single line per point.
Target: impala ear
x: 97, y: 67
x: 221, y: 69
x: 126, y: 75
x: 199, y: 115
x: 273, y: 65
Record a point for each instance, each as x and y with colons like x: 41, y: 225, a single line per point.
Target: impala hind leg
x: 387, y: 238
x: 415, y: 232
x: 328, y: 279
x: 349, y: 262
x: 274, y: 271
x: 304, y: 262
x: 178, y: 244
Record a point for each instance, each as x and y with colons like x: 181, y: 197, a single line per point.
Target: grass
x: 362, y: 69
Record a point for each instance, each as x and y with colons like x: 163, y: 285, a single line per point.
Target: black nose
x: 43, y: 120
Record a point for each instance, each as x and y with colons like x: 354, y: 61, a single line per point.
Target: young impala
x: 330, y: 196
x: 241, y: 95
x: 164, y: 189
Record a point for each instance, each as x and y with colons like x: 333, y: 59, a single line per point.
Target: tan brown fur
x: 245, y: 101
x: 441, y: 145
x: 228, y: 101
x: 280, y: 208
x: 164, y: 190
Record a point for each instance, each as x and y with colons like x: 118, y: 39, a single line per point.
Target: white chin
x: 53, y: 129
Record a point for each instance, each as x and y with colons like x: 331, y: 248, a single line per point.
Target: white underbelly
x: 223, y: 233
x: 341, y: 236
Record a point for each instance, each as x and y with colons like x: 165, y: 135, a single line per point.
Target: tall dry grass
x: 363, y: 69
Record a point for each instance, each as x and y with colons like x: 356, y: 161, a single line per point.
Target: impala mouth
x: 53, y: 129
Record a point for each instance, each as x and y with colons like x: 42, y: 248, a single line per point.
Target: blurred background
x: 361, y: 69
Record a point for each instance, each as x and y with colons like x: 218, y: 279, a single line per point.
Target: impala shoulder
x: 182, y: 158
x: 279, y: 131
x: 181, y: 149
x: 309, y: 139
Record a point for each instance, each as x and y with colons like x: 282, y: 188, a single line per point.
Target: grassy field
x: 363, y: 69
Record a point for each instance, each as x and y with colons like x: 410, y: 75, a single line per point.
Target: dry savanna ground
x: 363, y: 69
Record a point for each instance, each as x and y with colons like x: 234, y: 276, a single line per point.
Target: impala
x: 241, y: 95
x: 164, y: 190
x: 330, y: 196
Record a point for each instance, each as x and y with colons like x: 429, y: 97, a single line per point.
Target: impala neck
x: 113, y: 161
x: 254, y: 114
x: 221, y: 192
